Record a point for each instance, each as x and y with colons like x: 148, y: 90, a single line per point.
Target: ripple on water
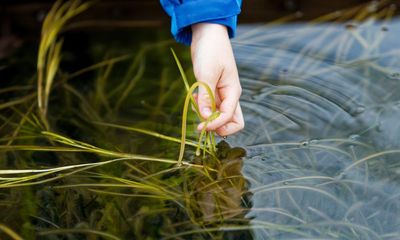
x: 305, y: 122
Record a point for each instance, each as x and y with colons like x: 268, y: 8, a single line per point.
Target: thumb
x: 205, y: 100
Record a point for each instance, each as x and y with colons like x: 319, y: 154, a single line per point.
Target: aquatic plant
x: 49, y: 54
x: 70, y: 183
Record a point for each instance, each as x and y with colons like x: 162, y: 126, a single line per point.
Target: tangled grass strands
x: 100, y: 93
x: 158, y: 188
x: 369, y: 157
x: 86, y: 231
x: 49, y: 54
x: 199, y: 141
x: 300, y: 187
x: 185, y: 113
x: 78, y: 147
x: 86, y: 106
x: 352, y: 226
x: 215, y: 114
x: 206, y: 141
x: 294, y: 229
x: 7, y: 122
x: 54, y: 59
x: 133, y: 195
x: 13, y: 235
x: 295, y: 179
x: 5, y: 148
x: 189, y: 98
x: 216, y: 182
x: 18, y: 101
x: 187, y: 86
x: 20, y: 125
x: 24, y: 181
x: 90, y: 148
x: 25, y: 137
x: 27, y: 180
x: 133, y: 185
x: 27, y: 116
x: 279, y: 211
x: 187, y: 196
x: 57, y: 169
x: 15, y: 89
x: 154, y: 185
x: 181, y: 71
x: 230, y: 228
x: 213, y: 145
x: 150, y: 193
x: 147, y: 132
x: 97, y: 66
x: 139, y: 64
x: 198, y: 168
x: 46, y: 221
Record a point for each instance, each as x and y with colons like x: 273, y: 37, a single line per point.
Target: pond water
x: 322, y: 109
x: 318, y: 158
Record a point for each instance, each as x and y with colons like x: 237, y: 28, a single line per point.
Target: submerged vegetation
x: 69, y: 169
x: 110, y: 151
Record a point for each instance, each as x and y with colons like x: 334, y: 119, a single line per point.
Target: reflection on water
x: 322, y: 108
x: 218, y: 193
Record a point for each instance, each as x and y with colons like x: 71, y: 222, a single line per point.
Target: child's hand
x: 214, y: 64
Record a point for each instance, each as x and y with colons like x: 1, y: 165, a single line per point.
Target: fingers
x: 235, y: 125
x: 231, y: 117
x: 226, y: 109
x: 195, y: 97
x: 204, y: 99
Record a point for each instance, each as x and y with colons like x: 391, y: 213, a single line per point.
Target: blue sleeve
x: 184, y: 13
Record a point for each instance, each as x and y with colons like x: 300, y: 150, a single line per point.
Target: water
x: 321, y: 104
x: 322, y: 138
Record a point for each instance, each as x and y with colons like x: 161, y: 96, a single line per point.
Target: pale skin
x: 214, y: 64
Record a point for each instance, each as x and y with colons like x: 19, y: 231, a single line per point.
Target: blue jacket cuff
x: 220, y: 12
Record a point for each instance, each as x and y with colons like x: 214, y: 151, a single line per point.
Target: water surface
x: 322, y: 109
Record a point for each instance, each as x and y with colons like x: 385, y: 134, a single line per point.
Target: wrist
x: 199, y: 30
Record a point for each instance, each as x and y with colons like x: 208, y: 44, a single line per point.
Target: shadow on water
x: 322, y: 109
x: 322, y: 139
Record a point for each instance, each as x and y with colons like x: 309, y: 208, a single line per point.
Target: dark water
x: 322, y: 109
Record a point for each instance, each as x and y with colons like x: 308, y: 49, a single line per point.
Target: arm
x: 207, y: 26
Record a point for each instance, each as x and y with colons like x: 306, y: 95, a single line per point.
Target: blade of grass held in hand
x: 185, y: 113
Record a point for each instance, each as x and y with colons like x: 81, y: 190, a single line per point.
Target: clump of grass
x: 209, y: 139
x: 49, y: 54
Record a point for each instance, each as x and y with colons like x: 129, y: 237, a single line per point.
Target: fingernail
x: 207, y: 112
